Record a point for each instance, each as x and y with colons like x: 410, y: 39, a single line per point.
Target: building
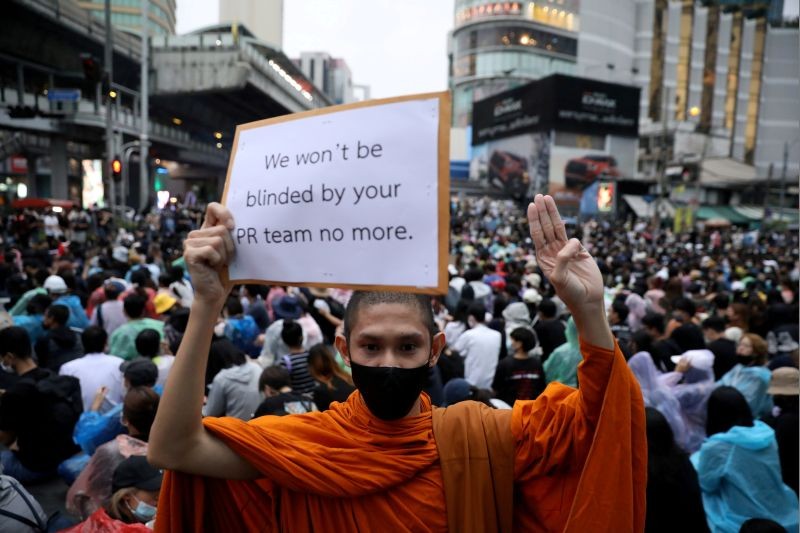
x: 570, y: 137
x: 264, y: 18
x: 725, y: 73
x: 496, y: 46
x: 53, y: 110
x: 127, y: 14
x: 332, y: 76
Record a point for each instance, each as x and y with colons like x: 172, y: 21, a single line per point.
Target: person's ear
x: 437, y: 346
x: 341, y: 345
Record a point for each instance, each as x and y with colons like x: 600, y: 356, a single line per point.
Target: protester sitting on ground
x: 287, y: 308
x: 663, y: 346
x: 480, y: 348
x: 785, y: 388
x: 332, y: 383
x: 123, y: 341
x: 296, y: 361
x: 110, y: 314
x: 391, y: 448
x: 93, y: 485
x: 59, y: 344
x: 57, y: 288
x: 279, y: 397
x: 96, y: 368
x: 749, y: 376
x: 724, y: 349
x: 38, y: 277
x: 135, y: 490
x: 254, y: 305
x: 101, y: 424
x: 33, y: 318
x: 38, y: 412
x: 658, y: 395
x: 460, y: 390
x: 21, y: 512
x: 618, y: 319
x: 233, y: 391
x: 692, y: 382
x: 549, y: 329
x: 674, y: 500
x: 739, y: 469
x: 520, y: 376
x: 458, y: 325
x: 240, y: 328
x: 149, y: 344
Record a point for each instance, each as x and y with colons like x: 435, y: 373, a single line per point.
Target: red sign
x: 18, y: 164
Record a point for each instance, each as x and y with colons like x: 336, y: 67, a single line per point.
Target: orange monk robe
x: 580, y: 465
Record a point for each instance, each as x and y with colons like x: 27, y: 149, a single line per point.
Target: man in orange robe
x: 385, y: 460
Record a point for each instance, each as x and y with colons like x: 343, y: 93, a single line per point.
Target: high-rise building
x: 331, y: 75
x: 263, y: 17
x: 127, y: 14
x: 496, y: 46
x: 724, y: 77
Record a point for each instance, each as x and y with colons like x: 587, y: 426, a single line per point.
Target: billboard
x: 559, y: 102
x: 517, y: 166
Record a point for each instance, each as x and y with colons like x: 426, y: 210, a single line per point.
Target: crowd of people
x: 95, y: 312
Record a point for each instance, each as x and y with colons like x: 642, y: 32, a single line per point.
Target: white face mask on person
x: 144, y: 512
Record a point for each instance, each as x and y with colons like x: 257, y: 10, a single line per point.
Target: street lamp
x: 694, y: 111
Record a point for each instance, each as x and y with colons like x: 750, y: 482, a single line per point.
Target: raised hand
x: 206, y: 252
x: 566, y: 263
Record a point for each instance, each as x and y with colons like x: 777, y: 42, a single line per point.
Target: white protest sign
x: 347, y: 196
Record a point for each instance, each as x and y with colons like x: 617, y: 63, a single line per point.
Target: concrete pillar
x: 58, y: 168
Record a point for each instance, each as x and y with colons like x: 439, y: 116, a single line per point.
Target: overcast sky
x: 394, y: 46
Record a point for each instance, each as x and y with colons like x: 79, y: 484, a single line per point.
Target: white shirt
x: 480, y: 347
x: 95, y: 370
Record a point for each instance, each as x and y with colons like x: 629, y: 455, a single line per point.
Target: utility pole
x: 108, y: 67
x: 783, y: 180
x: 766, y: 190
x: 662, y: 178
x: 144, y: 182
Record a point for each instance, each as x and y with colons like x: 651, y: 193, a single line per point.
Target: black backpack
x: 62, y: 394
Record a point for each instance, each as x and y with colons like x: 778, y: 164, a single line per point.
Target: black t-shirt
x: 551, y: 336
x: 324, y: 396
x: 286, y: 403
x: 787, y: 429
x: 43, y: 443
x: 724, y: 351
x: 518, y: 379
x: 661, y: 353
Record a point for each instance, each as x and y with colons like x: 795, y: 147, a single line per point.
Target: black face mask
x: 389, y: 392
x: 745, y: 360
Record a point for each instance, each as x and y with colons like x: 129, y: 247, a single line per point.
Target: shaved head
x: 361, y: 299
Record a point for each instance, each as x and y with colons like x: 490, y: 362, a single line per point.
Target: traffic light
x: 116, y: 168
x: 92, y: 70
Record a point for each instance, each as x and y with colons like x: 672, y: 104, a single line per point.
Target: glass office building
x: 497, y: 46
x: 127, y: 14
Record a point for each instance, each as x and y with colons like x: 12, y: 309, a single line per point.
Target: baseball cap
x: 136, y: 472
x: 785, y: 382
x: 55, y: 284
x: 163, y: 302
x: 287, y: 307
x: 140, y: 371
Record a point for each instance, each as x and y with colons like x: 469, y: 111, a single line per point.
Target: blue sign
x: 64, y: 95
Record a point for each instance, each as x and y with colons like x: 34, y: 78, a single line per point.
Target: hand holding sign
x: 207, y: 253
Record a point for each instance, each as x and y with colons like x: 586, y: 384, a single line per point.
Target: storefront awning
x: 756, y: 213
x: 644, y: 209
x: 708, y: 212
x: 726, y: 172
